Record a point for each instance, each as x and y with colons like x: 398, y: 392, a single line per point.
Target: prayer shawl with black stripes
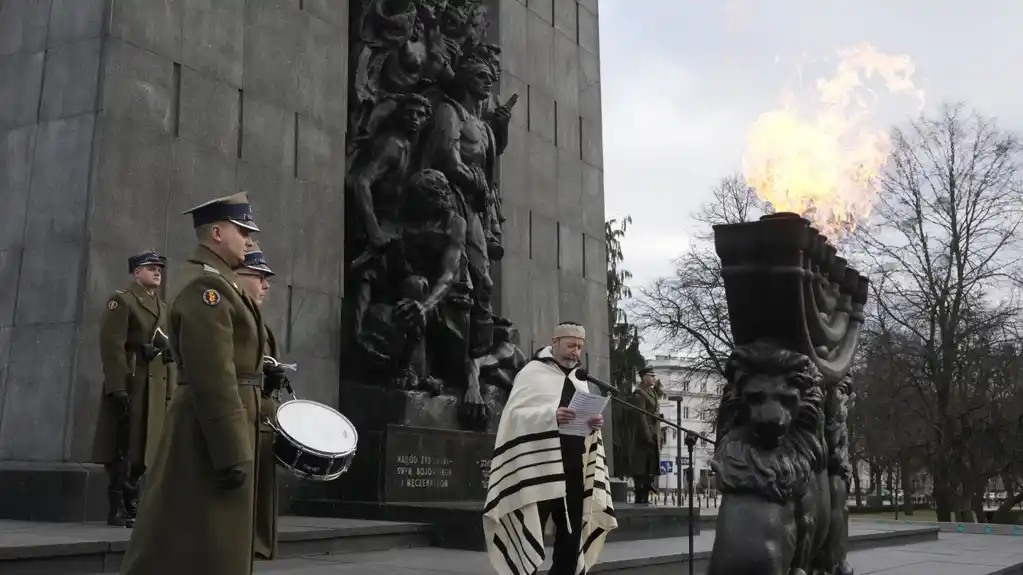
x: 527, y: 469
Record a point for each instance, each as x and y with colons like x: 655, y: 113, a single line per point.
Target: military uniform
x: 197, y: 514
x: 138, y: 380
x: 267, y: 499
x: 647, y: 453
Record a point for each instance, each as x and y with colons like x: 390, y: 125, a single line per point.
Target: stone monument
x: 782, y: 456
x: 116, y: 116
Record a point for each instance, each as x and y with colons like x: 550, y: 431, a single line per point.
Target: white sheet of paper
x: 586, y: 405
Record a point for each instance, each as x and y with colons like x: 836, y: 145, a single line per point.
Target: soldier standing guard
x: 254, y: 275
x: 198, y: 510
x: 138, y: 380
x: 647, y: 458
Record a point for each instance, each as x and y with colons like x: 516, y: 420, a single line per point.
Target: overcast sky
x: 682, y: 81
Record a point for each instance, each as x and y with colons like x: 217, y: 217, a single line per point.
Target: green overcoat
x: 129, y: 322
x: 646, y: 459
x: 186, y: 523
x: 267, y: 500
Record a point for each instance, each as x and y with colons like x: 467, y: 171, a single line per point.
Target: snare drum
x: 314, y: 441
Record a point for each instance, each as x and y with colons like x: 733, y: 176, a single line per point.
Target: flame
x: 823, y: 162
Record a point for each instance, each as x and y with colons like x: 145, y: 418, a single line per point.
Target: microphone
x: 585, y: 376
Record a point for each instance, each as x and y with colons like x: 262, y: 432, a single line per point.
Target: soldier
x: 138, y: 380
x: 253, y: 276
x: 647, y: 452
x: 197, y: 513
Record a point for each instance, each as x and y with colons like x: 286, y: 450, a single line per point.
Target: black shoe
x: 118, y: 515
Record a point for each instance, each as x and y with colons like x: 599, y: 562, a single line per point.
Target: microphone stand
x: 691, y: 437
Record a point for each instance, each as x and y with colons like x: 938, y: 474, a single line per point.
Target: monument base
x: 52, y: 492
x: 376, y: 407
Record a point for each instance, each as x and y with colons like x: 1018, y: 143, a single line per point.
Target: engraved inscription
x: 484, y: 465
x: 424, y: 471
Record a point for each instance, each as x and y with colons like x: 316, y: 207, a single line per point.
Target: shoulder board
x: 120, y: 291
x: 210, y: 269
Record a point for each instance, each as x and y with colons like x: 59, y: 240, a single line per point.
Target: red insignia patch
x: 211, y: 297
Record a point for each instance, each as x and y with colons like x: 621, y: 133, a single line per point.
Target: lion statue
x: 772, y: 464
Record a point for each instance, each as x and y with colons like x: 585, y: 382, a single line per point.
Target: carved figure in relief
x: 424, y: 204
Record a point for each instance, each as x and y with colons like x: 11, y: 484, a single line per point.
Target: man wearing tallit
x: 537, y: 474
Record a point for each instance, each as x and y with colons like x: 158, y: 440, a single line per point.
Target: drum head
x: 317, y: 427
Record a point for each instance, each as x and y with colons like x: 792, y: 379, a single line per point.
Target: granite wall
x: 552, y: 173
x: 115, y: 117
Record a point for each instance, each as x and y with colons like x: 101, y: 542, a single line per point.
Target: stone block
x: 596, y: 257
x: 590, y: 5
x: 58, y: 200
x: 321, y: 154
x: 138, y: 85
x: 589, y: 32
x: 213, y: 38
x: 275, y: 309
x: 106, y: 273
x: 570, y: 191
x: 48, y: 286
x: 315, y: 227
x: 334, y: 12
x: 317, y: 379
x: 312, y: 327
x: 32, y: 424
x: 544, y: 9
x: 591, y: 142
x: 544, y: 240
x: 273, y: 197
x: 570, y: 250
x: 10, y: 262
x: 16, y: 149
x: 86, y: 390
x: 572, y: 298
x: 544, y: 300
x: 589, y: 86
x: 516, y: 229
x: 153, y: 25
x: 540, y: 47
x: 21, y: 79
x: 512, y: 18
x: 71, y: 80
x: 323, y: 73
x: 273, y: 47
x: 566, y: 70
x: 565, y: 18
x: 542, y: 114
x: 268, y: 135
x: 195, y: 175
x: 23, y: 26
x: 568, y: 130
x: 130, y: 185
x: 543, y: 175
x: 209, y: 112
x: 75, y: 20
x: 514, y: 287
x: 510, y: 85
x: 599, y: 365
x: 595, y: 300
x: 5, y: 357
x: 514, y: 166
x: 592, y: 199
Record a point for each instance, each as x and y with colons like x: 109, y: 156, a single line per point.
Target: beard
x: 781, y: 474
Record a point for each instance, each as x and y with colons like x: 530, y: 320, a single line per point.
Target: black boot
x: 117, y: 515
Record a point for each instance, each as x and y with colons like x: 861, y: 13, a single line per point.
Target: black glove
x: 149, y: 352
x: 231, y: 478
x: 274, y: 379
x: 122, y: 400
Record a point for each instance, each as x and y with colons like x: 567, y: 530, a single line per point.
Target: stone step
x: 31, y: 548
x: 458, y: 524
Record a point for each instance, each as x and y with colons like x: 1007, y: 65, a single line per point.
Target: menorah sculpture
x: 782, y: 458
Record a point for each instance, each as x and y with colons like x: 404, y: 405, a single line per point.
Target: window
x: 685, y: 413
x: 703, y: 386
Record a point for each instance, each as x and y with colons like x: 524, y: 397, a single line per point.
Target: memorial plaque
x: 422, y: 465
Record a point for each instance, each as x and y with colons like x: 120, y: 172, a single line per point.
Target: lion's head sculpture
x: 770, y: 423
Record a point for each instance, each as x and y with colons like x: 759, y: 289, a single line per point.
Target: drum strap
x: 243, y: 379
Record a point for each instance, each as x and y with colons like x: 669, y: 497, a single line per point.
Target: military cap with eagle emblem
x: 146, y: 258
x: 234, y: 209
x: 256, y: 261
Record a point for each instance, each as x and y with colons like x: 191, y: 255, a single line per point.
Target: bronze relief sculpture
x: 424, y: 229
x: 782, y: 459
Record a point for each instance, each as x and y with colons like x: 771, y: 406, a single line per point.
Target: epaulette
x: 119, y: 291
x: 211, y: 269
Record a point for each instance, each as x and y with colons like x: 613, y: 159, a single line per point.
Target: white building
x: 698, y: 392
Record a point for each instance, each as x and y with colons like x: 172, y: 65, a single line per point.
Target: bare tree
x: 687, y: 313
x: 943, y: 243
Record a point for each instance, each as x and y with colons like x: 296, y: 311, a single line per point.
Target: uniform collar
x: 204, y: 255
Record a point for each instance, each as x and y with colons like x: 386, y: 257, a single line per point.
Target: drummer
x: 197, y: 513
x: 253, y: 276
